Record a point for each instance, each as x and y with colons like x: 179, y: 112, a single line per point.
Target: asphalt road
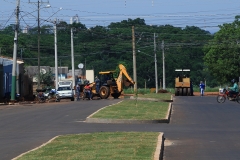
x: 199, y: 128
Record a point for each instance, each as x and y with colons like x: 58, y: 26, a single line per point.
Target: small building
x: 6, y: 77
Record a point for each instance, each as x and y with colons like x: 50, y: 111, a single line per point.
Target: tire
x: 115, y: 95
x: 176, y: 92
x: 238, y: 98
x: 221, y: 99
x: 42, y: 99
x: 189, y: 92
x: 180, y: 91
x: 72, y: 99
x: 184, y: 93
x: 104, y: 92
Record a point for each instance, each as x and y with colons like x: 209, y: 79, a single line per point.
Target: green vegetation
x: 222, y: 52
x: 134, y: 109
x: 98, y: 146
x: 160, y: 96
x: 104, y: 48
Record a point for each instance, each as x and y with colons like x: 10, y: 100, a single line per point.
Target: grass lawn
x: 134, y: 109
x: 98, y: 146
x: 161, y: 96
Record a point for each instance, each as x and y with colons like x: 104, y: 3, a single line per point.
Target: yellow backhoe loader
x: 111, y: 85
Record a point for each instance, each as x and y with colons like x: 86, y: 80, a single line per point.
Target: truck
x: 183, y: 85
x: 110, y: 85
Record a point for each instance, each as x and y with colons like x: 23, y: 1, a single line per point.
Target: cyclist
x: 234, y: 89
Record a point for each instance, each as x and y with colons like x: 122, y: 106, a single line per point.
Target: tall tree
x: 222, y: 53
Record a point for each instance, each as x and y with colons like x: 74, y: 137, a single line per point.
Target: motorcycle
x: 40, y: 96
x: 51, y: 94
x: 225, y: 95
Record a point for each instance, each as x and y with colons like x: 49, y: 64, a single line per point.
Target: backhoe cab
x: 111, y: 85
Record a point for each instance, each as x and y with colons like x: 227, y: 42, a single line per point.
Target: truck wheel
x: 176, y: 92
x: 104, y: 92
x: 116, y: 95
x: 189, y: 92
x: 184, y: 93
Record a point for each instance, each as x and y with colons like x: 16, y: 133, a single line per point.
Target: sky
x: 205, y: 14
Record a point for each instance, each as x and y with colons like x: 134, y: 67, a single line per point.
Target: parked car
x: 65, y: 92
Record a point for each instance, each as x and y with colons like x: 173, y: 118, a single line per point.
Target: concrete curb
x: 160, y: 147
x: 35, y: 148
x: 129, y: 121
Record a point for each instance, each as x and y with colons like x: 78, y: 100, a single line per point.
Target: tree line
x: 211, y: 57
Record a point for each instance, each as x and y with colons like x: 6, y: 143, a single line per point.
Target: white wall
x: 90, y: 75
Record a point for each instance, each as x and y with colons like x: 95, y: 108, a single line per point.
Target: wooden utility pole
x: 134, y: 61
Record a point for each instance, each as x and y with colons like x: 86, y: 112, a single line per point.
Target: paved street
x: 199, y: 128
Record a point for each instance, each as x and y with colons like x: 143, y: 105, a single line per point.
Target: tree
x: 222, y: 53
x: 46, y: 78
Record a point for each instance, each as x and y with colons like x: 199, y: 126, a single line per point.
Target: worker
x: 202, y: 88
x: 87, y: 90
x: 80, y: 80
x: 78, y: 92
x: 97, y: 82
x: 234, y: 89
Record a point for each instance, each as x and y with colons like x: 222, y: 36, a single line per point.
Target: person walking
x: 202, y: 88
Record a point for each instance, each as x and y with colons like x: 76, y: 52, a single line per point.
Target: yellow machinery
x: 182, y: 83
x: 110, y: 85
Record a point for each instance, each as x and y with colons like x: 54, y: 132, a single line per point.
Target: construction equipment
x: 111, y: 85
x: 183, y: 85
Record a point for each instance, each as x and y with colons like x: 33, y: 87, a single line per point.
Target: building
x: 6, y: 77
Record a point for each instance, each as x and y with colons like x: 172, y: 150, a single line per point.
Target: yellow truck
x: 183, y: 85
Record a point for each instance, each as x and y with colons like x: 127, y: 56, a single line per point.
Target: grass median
x: 134, y: 110
x: 110, y: 145
x: 98, y: 146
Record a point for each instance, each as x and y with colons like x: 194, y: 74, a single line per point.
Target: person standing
x: 97, y: 82
x: 78, y: 92
x: 202, y: 88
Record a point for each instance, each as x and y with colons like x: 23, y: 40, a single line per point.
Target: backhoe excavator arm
x: 128, y: 82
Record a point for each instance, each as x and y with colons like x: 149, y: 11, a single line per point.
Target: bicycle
x: 225, y: 95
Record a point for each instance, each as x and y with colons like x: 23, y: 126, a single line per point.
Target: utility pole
x: 134, y: 61
x: 72, y: 54
x: 38, y: 86
x: 56, y: 58
x: 163, y: 57
x: 13, y: 89
x: 155, y: 59
x: 38, y: 4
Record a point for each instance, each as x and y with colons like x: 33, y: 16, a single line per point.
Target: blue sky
x: 206, y: 14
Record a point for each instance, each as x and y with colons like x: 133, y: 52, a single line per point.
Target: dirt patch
x: 205, y: 93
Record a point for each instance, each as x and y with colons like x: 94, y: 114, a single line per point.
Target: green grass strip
x: 134, y: 110
x: 98, y: 146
